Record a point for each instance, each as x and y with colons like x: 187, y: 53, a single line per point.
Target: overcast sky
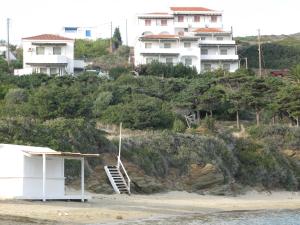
x: 33, y: 17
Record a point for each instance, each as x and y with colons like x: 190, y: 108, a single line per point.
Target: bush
x: 118, y: 71
x: 179, y: 126
x: 140, y: 113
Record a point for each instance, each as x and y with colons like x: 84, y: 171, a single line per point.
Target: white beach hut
x: 36, y: 173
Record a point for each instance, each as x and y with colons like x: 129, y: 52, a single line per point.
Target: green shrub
x: 179, y: 126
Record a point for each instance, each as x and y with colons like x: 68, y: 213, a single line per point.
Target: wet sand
x: 103, y: 209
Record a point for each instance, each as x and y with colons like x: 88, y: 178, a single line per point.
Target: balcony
x: 174, y: 51
x: 47, y: 59
x: 219, y: 57
x: 216, y: 42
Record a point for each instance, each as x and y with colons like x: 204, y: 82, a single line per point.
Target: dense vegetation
x: 278, y: 52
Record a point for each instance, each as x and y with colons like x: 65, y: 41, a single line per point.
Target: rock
x: 203, y: 177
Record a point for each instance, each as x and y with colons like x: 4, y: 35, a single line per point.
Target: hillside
x: 279, y: 51
x: 68, y: 113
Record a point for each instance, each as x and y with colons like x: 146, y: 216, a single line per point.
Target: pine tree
x: 117, y: 39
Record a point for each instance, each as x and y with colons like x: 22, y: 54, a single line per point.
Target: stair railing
x: 128, y: 181
x: 120, y: 164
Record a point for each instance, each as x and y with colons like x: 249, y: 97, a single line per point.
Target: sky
x: 34, y: 17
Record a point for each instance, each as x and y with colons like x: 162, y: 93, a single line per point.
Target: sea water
x: 279, y: 217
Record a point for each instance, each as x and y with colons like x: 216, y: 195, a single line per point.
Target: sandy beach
x: 102, y: 209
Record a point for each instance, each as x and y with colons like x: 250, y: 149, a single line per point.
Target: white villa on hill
x: 193, y: 36
x: 47, y: 53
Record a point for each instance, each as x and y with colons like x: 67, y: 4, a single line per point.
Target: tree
x: 295, y: 74
x: 234, y: 94
x: 289, y: 101
x: 117, y: 39
x: 256, y: 93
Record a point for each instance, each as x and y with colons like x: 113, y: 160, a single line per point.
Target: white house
x: 193, y: 36
x: 47, y: 53
x: 28, y: 172
x: 75, y: 32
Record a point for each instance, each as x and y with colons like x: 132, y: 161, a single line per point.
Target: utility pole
x: 246, y: 62
x: 111, y: 36
x: 7, y: 50
x: 126, y: 34
x: 259, y: 53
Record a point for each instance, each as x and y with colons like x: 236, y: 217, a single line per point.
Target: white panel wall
x: 11, y: 174
x: 33, y: 173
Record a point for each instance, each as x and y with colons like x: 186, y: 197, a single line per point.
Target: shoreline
x: 114, y: 209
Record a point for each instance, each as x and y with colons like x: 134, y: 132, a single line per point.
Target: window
x: 40, y: 50
x: 43, y: 70
x: 164, y: 22
x: 214, y: 19
x: 187, y: 44
x: 167, y: 45
x: 226, y: 66
x: 186, y: 29
x: 204, y: 51
x: 148, y: 45
x: 169, y: 60
x: 223, y: 51
x: 188, y: 61
x: 147, y: 22
x: 196, y: 18
x: 53, y: 71
x: 203, y: 38
x: 88, y: 33
x: 70, y: 29
x: 220, y: 38
x: 56, y: 50
x: 207, y: 67
x: 149, y: 60
x: 180, y: 18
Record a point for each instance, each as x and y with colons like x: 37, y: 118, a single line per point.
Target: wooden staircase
x: 117, y: 180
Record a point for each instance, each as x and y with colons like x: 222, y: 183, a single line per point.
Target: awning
x: 63, y: 154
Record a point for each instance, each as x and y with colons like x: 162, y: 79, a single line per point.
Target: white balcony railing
x: 47, y: 59
x: 216, y: 42
x: 219, y: 57
x: 160, y: 51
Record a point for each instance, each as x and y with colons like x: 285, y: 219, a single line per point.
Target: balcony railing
x: 47, y: 59
x: 219, y: 57
x: 216, y: 42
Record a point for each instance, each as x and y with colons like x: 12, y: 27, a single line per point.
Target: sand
x: 103, y: 209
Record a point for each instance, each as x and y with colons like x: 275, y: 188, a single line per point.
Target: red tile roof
x: 208, y: 30
x: 190, y: 9
x: 48, y: 37
x: 160, y: 36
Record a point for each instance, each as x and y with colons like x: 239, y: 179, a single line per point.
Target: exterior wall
x: 205, y: 21
x: 234, y: 65
x: 33, y: 177
x: 155, y: 27
x: 66, y: 56
x: 11, y: 174
x: 90, y: 33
